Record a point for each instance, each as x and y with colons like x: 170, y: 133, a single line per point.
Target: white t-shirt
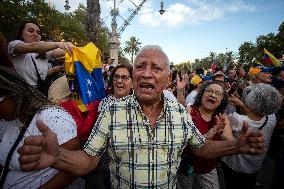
x: 246, y: 163
x: 59, y: 121
x: 189, y: 100
x: 24, y: 65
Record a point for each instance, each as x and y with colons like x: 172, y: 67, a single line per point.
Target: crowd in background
x: 220, y: 105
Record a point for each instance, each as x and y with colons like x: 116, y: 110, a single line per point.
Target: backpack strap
x: 37, y: 73
x: 266, y: 119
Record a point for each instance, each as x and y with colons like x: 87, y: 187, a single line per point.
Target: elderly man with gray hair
x: 144, y: 134
x: 240, y: 171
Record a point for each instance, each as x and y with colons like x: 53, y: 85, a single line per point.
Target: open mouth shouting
x: 146, y: 87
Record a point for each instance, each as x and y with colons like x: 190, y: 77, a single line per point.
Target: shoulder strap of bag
x: 8, y: 159
x: 266, y: 119
x: 35, y: 68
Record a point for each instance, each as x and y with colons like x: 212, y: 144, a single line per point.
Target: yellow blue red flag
x: 269, y: 58
x: 84, y: 74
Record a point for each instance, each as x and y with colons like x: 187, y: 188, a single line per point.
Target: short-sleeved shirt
x: 247, y: 163
x: 24, y: 65
x: 143, y: 156
x: 58, y: 121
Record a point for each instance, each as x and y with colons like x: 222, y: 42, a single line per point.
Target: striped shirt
x: 142, y: 156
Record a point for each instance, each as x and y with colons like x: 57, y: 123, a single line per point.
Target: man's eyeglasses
x: 122, y: 77
x: 211, y: 91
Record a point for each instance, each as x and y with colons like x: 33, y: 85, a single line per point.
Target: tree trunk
x: 132, y: 54
x: 93, y: 20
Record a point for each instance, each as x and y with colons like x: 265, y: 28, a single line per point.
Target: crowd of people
x: 157, y: 128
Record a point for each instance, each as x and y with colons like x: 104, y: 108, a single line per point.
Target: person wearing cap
x: 258, y: 74
x: 21, y: 106
x: 219, y: 76
x: 194, y: 86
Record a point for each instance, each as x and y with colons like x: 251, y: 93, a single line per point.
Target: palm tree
x: 132, y: 47
x: 93, y: 20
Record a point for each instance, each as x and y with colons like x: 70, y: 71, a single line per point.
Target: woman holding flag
x: 30, y: 55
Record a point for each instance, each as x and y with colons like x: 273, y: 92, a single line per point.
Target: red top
x: 201, y: 165
x: 84, y: 120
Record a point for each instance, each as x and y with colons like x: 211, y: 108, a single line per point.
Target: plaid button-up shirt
x: 142, y: 156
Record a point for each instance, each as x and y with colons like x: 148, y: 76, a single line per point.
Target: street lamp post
x: 66, y: 6
x: 162, y: 11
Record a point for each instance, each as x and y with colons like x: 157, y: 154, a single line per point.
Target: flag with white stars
x: 84, y: 73
x: 90, y: 88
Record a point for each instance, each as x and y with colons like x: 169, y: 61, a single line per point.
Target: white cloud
x: 239, y: 6
x: 192, y: 13
x: 177, y: 15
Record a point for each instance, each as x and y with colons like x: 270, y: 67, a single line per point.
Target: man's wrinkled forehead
x: 151, y: 56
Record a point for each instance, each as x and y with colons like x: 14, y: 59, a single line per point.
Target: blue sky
x: 192, y: 29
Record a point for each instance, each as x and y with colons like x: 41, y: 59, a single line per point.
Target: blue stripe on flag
x: 89, y: 84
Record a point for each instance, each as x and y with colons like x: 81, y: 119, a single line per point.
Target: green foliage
x: 132, y: 47
x: 122, y: 57
x: 102, y: 42
x: 274, y: 43
x: 247, y: 51
x: 54, y: 24
x: 12, y: 13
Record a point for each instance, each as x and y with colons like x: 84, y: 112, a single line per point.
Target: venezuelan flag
x: 84, y: 74
x: 257, y: 63
x: 269, y: 58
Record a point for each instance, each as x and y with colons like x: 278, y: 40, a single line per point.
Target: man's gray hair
x: 263, y: 99
x: 153, y: 48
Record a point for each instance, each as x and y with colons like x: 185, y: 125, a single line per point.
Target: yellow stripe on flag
x: 274, y: 60
x: 89, y: 56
